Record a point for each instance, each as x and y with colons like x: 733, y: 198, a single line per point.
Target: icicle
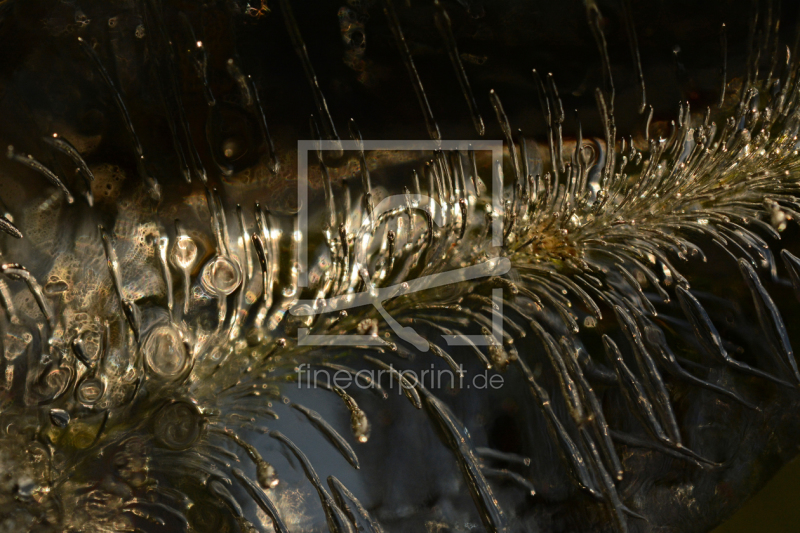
x: 456, y: 437
x: 408, y: 61
x: 265, y: 472
x: 65, y: 147
x: 33, y: 164
x: 337, y: 521
x: 155, y: 188
x: 262, y: 500
x: 274, y: 162
x: 630, y: 28
x: 406, y: 386
x: 9, y: 228
x: 365, y: 179
x: 354, y: 509
x: 446, y: 31
x: 162, y: 246
x: 595, y: 17
x: 709, y: 338
x: 18, y: 272
x: 319, y: 99
x: 184, y: 254
x: 330, y: 434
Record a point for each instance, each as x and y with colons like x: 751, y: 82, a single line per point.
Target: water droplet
x: 164, y: 353
x: 778, y: 217
x: 216, y: 354
x: 266, y: 475
x: 232, y: 149
x: 221, y: 276
x: 368, y: 326
x: 56, y: 287
x: 178, y: 425
x: 81, y: 20
x: 59, y: 417
x: 360, y: 425
x: 185, y: 252
x: 574, y: 222
x: 53, y: 383
x: 90, y: 391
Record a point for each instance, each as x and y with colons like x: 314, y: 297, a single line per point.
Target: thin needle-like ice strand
x: 456, y: 437
x: 330, y: 434
x: 35, y: 165
x: 365, y: 178
x: 262, y: 500
x: 129, y: 308
x: 630, y: 28
x: 595, y: 17
x: 18, y: 272
x: 723, y: 44
x: 8, y: 227
x: 350, y: 505
x: 155, y: 188
x: 302, y: 53
x: 274, y: 163
x: 446, y: 31
x: 65, y: 147
x: 408, y: 61
x: 239, y: 311
x: 184, y: 254
x: 162, y: 245
x: 337, y: 521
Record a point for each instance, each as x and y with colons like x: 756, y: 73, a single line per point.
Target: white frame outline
x: 493, y: 266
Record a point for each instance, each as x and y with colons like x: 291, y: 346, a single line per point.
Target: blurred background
x: 776, y: 508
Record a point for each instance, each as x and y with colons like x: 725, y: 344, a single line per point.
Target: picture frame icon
x: 492, y: 266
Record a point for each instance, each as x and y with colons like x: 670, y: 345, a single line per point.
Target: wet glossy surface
x: 155, y: 376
